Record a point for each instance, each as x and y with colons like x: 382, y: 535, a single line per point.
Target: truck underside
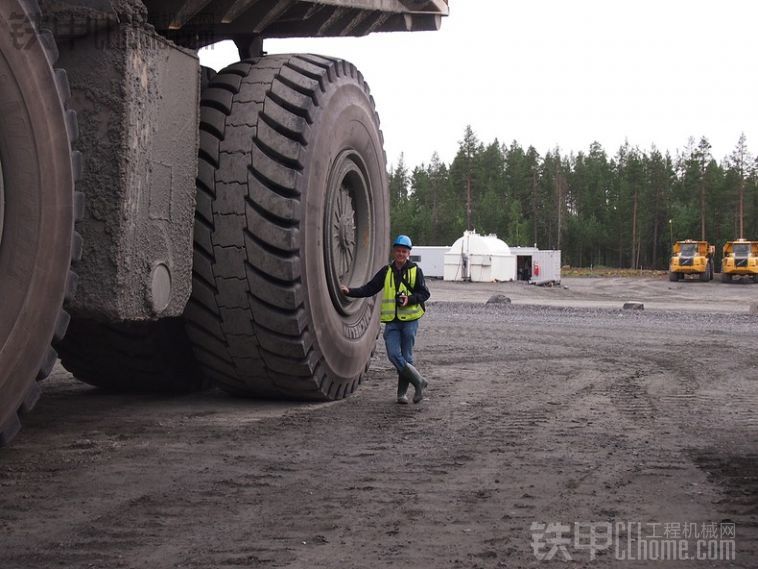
x: 222, y: 210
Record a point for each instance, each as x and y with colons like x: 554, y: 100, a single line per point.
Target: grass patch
x: 610, y: 272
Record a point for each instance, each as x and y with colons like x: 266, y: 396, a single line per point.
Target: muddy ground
x: 559, y: 408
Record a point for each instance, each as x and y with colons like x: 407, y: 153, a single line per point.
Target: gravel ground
x: 559, y: 408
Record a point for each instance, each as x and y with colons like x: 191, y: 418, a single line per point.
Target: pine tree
x: 659, y: 180
x: 464, y: 183
x: 400, y: 213
x: 703, y: 157
x: 740, y: 162
x: 490, y: 197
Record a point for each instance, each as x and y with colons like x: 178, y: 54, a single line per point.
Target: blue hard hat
x: 403, y: 241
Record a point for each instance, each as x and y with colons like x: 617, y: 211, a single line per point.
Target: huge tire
x: 133, y: 356
x: 292, y: 200
x: 726, y: 277
x: 37, y: 239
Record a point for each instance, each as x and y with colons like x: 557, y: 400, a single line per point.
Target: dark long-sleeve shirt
x: 419, y: 294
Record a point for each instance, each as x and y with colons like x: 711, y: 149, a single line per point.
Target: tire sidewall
x: 346, y: 122
x: 35, y: 249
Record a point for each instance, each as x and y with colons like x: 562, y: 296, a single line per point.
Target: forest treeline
x: 620, y: 211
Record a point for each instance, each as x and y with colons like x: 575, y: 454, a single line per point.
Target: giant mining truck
x: 691, y: 257
x: 740, y: 260
x: 163, y: 226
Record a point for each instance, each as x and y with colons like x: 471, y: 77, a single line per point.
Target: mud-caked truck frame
x: 163, y: 226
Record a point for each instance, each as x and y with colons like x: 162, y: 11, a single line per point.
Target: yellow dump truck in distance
x: 691, y: 257
x: 740, y: 260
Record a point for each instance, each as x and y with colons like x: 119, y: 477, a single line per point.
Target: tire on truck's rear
x: 37, y: 240
x: 131, y: 356
x: 292, y: 200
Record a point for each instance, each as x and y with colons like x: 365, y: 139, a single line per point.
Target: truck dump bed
x: 209, y: 21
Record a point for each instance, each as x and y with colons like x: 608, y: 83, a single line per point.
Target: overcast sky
x: 559, y: 72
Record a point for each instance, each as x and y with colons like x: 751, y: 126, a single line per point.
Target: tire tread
x: 133, y: 357
x: 250, y: 330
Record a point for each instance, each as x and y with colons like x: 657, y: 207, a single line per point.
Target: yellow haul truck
x: 740, y: 260
x: 691, y: 258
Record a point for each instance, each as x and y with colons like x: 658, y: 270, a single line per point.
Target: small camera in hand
x: 400, y: 298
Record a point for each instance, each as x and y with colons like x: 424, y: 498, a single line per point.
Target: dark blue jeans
x: 399, y: 338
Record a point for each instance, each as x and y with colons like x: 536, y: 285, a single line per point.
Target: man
x: 402, y: 305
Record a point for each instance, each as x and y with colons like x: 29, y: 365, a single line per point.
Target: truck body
x: 690, y: 257
x: 740, y: 260
x: 164, y: 226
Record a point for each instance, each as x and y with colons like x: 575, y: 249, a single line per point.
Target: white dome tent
x: 479, y: 258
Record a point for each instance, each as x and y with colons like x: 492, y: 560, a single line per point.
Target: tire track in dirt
x: 533, y: 415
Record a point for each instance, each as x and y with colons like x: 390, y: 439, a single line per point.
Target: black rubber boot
x: 402, y: 389
x: 412, y: 375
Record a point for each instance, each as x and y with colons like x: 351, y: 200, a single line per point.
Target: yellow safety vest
x: 390, y: 307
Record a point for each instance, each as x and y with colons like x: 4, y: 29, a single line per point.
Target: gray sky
x: 559, y: 72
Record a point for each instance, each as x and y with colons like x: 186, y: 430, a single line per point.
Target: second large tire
x: 292, y: 200
x: 131, y: 356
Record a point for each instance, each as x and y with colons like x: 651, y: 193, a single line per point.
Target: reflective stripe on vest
x: 390, y: 307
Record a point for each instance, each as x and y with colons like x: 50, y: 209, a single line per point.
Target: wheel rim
x: 348, y: 226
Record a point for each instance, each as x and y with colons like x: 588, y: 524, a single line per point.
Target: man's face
x: 400, y: 254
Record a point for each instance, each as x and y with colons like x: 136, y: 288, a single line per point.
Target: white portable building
x: 537, y: 267
x: 479, y: 258
x: 431, y: 260
x: 546, y: 267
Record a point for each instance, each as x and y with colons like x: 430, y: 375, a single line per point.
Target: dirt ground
x: 551, y: 422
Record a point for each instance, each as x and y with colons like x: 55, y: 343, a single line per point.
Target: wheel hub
x: 348, y: 228
x: 345, y: 227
